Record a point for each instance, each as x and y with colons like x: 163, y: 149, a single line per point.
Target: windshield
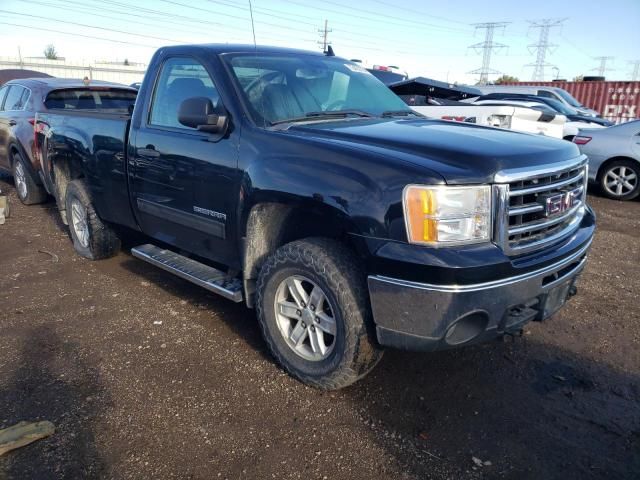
x: 560, y: 107
x: 568, y: 98
x: 282, y: 87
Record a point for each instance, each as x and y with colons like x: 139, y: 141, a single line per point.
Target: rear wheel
x: 92, y: 238
x: 314, y: 313
x: 29, y: 192
x: 620, y: 179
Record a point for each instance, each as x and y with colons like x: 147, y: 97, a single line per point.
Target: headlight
x: 443, y: 215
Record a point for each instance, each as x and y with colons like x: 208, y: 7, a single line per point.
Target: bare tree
x: 50, y: 52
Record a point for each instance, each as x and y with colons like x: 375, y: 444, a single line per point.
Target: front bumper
x: 419, y: 316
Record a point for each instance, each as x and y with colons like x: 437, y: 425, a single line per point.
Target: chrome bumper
x: 421, y: 316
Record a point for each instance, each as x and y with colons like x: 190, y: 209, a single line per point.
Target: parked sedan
x: 20, y: 99
x: 614, y: 158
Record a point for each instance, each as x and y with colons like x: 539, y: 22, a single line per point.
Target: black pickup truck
x: 299, y: 183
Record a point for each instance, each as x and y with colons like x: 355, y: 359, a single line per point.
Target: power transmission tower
x: 602, y: 68
x: 324, y: 36
x: 635, y: 73
x: 487, y: 47
x: 543, y: 46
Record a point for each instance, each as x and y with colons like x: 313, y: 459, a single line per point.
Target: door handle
x: 149, y: 152
x: 12, y: 123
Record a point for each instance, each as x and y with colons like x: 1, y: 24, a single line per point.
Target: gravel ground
x: 147, y: 376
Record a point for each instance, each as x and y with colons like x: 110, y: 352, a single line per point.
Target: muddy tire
x: 314, y: 313
x: 620, y: 179
x: 29, y: 192
x: 92, y: 238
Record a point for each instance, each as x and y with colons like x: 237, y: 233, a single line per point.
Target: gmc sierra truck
x: 298, y: 183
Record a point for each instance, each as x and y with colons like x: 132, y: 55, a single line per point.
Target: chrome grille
x: 538, y: 209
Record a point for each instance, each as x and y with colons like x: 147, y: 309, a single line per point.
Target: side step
x: 203, y: 275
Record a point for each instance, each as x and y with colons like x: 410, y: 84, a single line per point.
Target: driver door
x: 184, y: 185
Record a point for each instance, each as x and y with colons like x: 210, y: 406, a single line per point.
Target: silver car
x: 614, y: 158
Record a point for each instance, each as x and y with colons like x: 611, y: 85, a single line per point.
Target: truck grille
x: 537, y: 210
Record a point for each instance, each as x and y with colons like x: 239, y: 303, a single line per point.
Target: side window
x: 547, y: 94
x: 180, y: 78
x: 14, y: 97
x: 3, y: 92
x: 26, y: 93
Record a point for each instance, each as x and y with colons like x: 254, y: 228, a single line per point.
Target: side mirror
x: 198, y: 112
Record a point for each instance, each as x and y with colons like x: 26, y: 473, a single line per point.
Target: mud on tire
x: 331, y: 266
x: 100, y: 240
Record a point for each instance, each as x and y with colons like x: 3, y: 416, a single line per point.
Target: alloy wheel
x: 620, y: 180
x: 79, y: 222
x: 21, y: 180
x: 305, y: 318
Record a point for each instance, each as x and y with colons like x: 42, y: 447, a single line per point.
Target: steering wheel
x: 266, y: 78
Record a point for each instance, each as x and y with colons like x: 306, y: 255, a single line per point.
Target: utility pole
x: 487, y: 48
x: 324, y: 36
x: 635, y: 73
x: 602, y: 68
x: 543, y: 46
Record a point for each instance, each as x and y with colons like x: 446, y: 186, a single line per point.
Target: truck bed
x: 98, y: 140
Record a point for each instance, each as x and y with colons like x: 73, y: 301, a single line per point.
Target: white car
x: 510, y: 117
x: 570, y: 127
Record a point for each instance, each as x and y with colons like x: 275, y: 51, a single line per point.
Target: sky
x: 428, y: 38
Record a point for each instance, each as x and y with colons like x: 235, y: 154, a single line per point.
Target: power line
x: 445, y: 19
x: 32, y: 27
x: 487, y: 48
x: 376, y: 17
x: 92, y: 26
x: 543, y: 46
x: 91, y: 10
x: 602, y: 68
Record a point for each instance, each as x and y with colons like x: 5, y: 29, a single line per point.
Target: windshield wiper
x: 400, y: 113
x: 310, y: 116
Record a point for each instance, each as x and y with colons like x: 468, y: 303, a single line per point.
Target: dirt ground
x: 147, y: 376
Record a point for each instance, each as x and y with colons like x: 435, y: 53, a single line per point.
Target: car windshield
x: 568, y: 98
x: 560, y: 107
x: 280, y: 87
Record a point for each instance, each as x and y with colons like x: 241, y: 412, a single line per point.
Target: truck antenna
x: 253, y: 28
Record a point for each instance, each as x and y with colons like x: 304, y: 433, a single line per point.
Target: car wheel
x: 314, y: 313
x: 29, y: 192
x: 92, y: 238
x: 620, y: 180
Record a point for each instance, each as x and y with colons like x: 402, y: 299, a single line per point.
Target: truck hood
x: 461, y: 153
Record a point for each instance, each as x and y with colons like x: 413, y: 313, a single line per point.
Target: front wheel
x: 314, y: 313
x: 92, y: 238
x: 620, y: 180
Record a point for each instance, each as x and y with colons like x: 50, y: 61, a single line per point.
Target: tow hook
x: 573, y: 290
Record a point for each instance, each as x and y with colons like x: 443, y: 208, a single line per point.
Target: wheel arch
x: 611, y: 160
x: 272, y: 224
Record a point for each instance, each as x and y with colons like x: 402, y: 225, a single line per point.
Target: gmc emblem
x: 560, y: 202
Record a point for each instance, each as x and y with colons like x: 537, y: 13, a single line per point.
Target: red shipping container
x: 615, y: 101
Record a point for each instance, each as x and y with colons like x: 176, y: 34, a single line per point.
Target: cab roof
x: 222, y: 48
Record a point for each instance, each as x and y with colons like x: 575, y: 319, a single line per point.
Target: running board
x: 203, y: 275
